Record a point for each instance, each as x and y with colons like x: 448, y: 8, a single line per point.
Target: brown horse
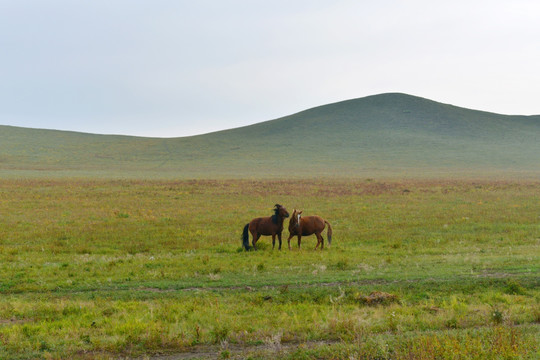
x: 308, y: 225
x: 272, y: 225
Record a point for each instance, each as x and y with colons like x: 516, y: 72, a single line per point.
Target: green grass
x: 388, y: 135
x: 103, y: 269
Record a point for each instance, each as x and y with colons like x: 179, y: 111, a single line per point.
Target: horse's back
x: 312, y: 224
x: 316, y: 220
x: 255, y: 223
x: 263, y: 226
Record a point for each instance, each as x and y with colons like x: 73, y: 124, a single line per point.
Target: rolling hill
x: 389, y: 135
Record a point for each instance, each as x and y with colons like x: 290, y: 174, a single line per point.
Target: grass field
x: 386, y: 135
x: 108, y: 269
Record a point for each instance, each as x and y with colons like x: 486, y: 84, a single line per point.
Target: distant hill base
x: 388, y: 135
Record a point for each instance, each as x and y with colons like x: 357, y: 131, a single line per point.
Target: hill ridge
x: 390, y: 134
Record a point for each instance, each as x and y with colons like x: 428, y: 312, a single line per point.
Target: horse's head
x: 295, y: 219
x: 281, y: 211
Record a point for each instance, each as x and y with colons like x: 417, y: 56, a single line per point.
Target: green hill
x: 382, y: 135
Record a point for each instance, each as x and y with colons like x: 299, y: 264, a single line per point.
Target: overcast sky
x: 176, y: 68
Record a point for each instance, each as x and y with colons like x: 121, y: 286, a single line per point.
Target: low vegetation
x: 417, y: 269
x: 387, y: 135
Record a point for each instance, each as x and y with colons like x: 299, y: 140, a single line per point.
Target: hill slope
x: 381, y: 135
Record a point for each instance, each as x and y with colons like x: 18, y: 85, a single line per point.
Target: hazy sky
x: 176, y: 68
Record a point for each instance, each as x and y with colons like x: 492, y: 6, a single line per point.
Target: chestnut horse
x: 272, y: 225
x: 308, y: 225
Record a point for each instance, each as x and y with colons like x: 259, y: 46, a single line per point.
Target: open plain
x: 417, y: 269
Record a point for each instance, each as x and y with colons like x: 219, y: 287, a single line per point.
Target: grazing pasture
x: 156, y: 269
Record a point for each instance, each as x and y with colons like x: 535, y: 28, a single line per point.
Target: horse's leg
x: 289, y: 241
x: 320, y: 241
x: 299, y: 240
x: 255, y: 238
x: 273, y: 241
x: 279, y: 238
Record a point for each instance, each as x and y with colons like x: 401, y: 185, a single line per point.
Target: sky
x: 172, y: 68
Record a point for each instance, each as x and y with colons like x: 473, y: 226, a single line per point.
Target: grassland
x: 388, y: 135
x: 107, y: 269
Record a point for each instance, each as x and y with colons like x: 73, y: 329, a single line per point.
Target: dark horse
x: 272, y: 225
x: 308, y: 225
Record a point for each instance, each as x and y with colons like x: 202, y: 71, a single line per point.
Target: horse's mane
x: 276, y: 213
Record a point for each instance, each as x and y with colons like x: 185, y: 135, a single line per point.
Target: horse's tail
x: 329, y: 232
x: 245, y: 237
